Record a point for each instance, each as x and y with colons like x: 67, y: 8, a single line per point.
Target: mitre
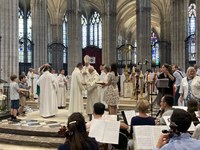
x: 87, y: 59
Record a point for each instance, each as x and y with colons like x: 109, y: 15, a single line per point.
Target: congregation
x: 102, y: 94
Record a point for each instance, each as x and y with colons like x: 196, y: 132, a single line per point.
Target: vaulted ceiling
x: 126, y: 12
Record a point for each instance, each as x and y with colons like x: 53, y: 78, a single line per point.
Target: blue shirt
x: 182, y: 142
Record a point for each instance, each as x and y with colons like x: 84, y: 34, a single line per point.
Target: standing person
x: 103, y: 88
x: 29, y: 73
x: 48, y: 97
x: 185, y: 86
x: 92, y: 90
x: 76, y: 136
x: 178, y: 75
x: 14, y: 97
x: 62, y: 91
x: 24, y: 95
x: 76, y: 98
x: 166, y: 74
x: 85, y: 73
x: 111, y: 95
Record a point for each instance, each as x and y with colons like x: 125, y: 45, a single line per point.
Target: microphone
x: 158, y: 112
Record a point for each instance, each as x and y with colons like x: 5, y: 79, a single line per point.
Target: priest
x: 92, y: 90
x: 77, y: 86
x: 62, y: 92
x: 48, y: 89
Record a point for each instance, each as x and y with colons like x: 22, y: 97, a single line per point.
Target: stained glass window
x: 155, y: 48
x: 192, y: 31
x: 84, y: 31
x: 65, y: 39
x: 21, y: 34
x: 96, y: 30
x: 25, y: 34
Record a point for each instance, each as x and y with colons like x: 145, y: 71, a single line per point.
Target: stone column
x: 109, y: 39
x: 9, y: 55
x: 57, y: 50
x: 164, y: 43
x: 198, y: 32
x: 143, y: 29
x: 74, y: 34
x: 178, y: 31
x: 39, y: 31
x: 56, y: 10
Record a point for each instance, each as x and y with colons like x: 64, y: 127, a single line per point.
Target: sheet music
x: 105, y: 131
x: 197, y: 115
x: 167, y: 121
x: 146, y: 137
x: 180, y: 107
x: 129, y: 114
x: 110, y: 117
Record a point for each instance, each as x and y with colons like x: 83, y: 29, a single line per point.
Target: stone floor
x: 18, y: 147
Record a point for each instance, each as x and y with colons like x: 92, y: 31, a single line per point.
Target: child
x: 14, y: 97
x: 23, y: 95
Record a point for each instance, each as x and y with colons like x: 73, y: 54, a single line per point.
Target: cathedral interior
x: 61, y: 32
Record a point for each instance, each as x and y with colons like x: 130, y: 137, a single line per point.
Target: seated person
x: 98, y: 111
x: 166, y: 104
x: 76, y: 135
x: 192, y: 107
x: 179, y: 139
x: 196, y: 133
x: 142, y: 118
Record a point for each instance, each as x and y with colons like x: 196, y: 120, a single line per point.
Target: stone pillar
x: 109, y: 39
x: 198, y: 32
x: 178, y: 31
x: 164, y: 43
x: 143, y: 29
x: 56, y: 10
x: 74, y: 34
x: 9, y: 55
x: 57, y: 50
x: 39, y: 31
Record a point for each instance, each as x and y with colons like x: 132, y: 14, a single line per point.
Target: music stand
x: 161, y: 84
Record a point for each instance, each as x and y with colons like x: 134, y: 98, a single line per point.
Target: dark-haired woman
x: 166, y: 74
x: 111, y: 95
x: 76, y: 135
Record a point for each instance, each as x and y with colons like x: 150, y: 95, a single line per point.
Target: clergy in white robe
x: 76, y: 88
x: 92, y: 90
x: 48, y: 97
x: 62, y: 89
x: 85, y: 72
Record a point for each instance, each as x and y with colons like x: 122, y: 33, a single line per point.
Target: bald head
x: 91, y: 69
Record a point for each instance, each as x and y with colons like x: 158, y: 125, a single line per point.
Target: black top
x: 170, y: 85
x: 92, y: 142
x: 137, y: 121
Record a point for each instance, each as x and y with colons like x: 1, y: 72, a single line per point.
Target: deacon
x: 48, y: 89
x: 62, y: 89
x: 76, y: 98
x: 92, y: 90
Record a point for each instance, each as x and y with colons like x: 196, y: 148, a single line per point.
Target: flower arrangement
x: 2, y: 97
